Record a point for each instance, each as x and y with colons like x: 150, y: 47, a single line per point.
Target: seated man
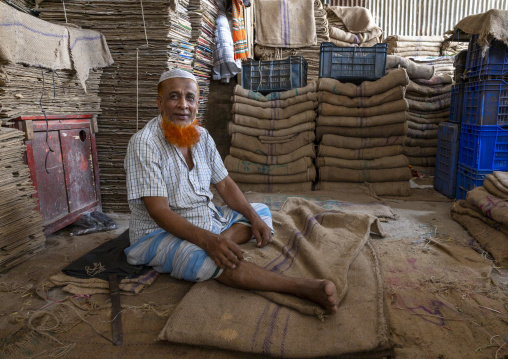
x: 174, y: 226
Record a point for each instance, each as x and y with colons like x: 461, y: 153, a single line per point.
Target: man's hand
x: 225, y: 252
x: 262, y: 232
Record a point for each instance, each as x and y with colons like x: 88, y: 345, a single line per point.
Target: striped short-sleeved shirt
x: 157, y: 168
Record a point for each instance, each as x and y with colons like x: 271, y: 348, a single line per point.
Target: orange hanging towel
x: 239, y: 35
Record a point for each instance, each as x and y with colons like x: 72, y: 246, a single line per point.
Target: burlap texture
x: 422, y: 126
x: 438, y: 79
x: 488, y: 25
x: 274, y: 124
x: 417, y: 53
x: 367, y: 88
x: 357, y: 142
x: 442, y: 97
x: 323, y: 245
x: 237, y: 165
x: 411, y: 132
x: 418, y: 89
x: 306, y: 151
x: 250, y: 131
x: 392, y: 43
x: 419, y: 39
x: 470, y: 209
x: 275, y: 188
x: 356, y: 19
x: 309, y: 96
x: 251, y: 143
x: 367, y: 37
x: 419, y: 151
x: 337, y: 174
x: 422, y: 161
x: 284, y: 24
x: 360, y: 153
x: 308, y: 176
x: 502, y: 176
x: 394, y: 94
x: 398, y: 129
x: 240, y: 91
x: 495, y: 186
x: 362, y: 122
x: 378, y: 163
x: 326, y: 109
x: 275, y: 113
x: 399, y: 189
x: 341, y: 43
x: 428, y: 105
x: 422, y: 119
x: 413, y: 70
x: 491, y: 206
x: 279, y: 139
x: 415, y: 49
x: 420, y: 142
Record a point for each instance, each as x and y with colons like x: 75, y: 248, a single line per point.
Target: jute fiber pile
x: 323, y: 244
x: 272, y: 143
x: 352, y: 26
x: 484, y: 214
x: 21, y: 231
x: 361, y: 132
x: 409, y: 46
x: 281, y: 49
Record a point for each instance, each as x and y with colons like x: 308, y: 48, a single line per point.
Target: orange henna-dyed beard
x: 181, y: 135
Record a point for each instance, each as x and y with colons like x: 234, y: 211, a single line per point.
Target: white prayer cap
x: 178, y: 73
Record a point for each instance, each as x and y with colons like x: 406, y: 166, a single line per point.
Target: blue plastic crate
x: 484, y: 148
x: 468, y: 179
x: 493, y: 63
x: 274, y: 75
x: 352, y: 64
x: 456, y: 103
x: 448, y: 141
x: 486, y: 103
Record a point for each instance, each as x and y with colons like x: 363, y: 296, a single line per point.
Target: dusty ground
x: 417, y: 242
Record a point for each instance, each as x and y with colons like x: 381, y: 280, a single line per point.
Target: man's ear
x: 159, y: 103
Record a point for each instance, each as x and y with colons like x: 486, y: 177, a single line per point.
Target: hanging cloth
x: 239, y: 35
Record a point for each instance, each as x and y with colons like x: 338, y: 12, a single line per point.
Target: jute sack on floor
x: 251, y: 143
x: 413, y: 70
x: 326, y: 109
x: 492, y: 206
x: 411, y: 132
x: 275, y: 113
x: 428, y: 106
x: 422, y: 161
x: 490, y: 239
x: 323, y: 245
x: 336, y: 174
x: 422, y: 126
x: 240, y: 91
x: 275, y: 124
x: 419, y: 151
x: 307, y: 126
x: 398, y: 129
x: 464, y: 207
x: 308, y: 175
x: 309, y: 96
x: 420, y: 142
x: 378, y: 163
x: 359, y: 122
x: 360, y: 153
x: 399, y: 189
x: 367, y: 88
x: 417, y: 89
x: 306, y: 151
x: 358, y: 142
x: 493, y: 189
x: 275, y: 188
x: 237, y: 165
x: 502, y: 176
x: 394, y: 94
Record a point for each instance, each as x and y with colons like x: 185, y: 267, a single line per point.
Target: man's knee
x: 198, y: 268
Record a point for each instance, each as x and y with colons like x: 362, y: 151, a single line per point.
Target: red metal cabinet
x: 67, y: 179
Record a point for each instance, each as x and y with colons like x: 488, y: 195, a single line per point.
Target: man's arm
x: 235, y: 199
x: 225, y: 253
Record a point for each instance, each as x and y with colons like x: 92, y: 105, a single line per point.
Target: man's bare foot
x: 322, y: 292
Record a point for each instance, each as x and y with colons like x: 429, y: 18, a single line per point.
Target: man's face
x: 179, y: 100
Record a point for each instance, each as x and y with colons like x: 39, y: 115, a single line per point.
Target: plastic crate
x: 468, y: 179
x: 352, y: 64
x: 493, y: 63
x: 486, y: 103
x: 456, y: 103
x: 445, y: 176
x: 484, y: 147
x: 274, y: 75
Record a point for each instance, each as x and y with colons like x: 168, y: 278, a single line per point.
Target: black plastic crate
x: 456, y: 104
x: 274, y: 75
x: 447, y: 157
x: 352, y: 64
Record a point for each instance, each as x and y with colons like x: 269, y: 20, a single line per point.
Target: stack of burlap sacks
x: 483, y: 213
x: 352, y: 26
x: 406, y: 46
x: 361, y: 132
x: 272, y: 144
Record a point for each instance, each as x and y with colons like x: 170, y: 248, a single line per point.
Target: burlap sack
x: 309, y: 96
x: 437, y: 98
x: 237, y: 165
x: 306, y: 151
x: 360, y: 153
x: 417, y: 89
x: 308, y: 176
x: 280, y: 24
x: 426, y: 106
x: 502, y: 176
x: 419, y: 118
x: 341, y: 43
x: 417, y: 53
x: 326, y: 109
x: 276, y: 188
x: 336, y: 174
x: 361, y: 122
x: 394, y: 94
x: 413, y: 70
x: 399, y: 189
x: 492, y: 206
x: 367, y: 88
x: 464, y: 207
x: 495, y: 186
x: 421, y: 134
x: 425, y: 170
x: 421, y: 126
x: 358, y: 38
x: 394, y: 44
x: 438, y: 79
x: 240, y: 91
x: 488, y: 25
x: 419, y: 151
x: 416, y: 49
x: 378, y: 163
x: 251, y: 143
x: 422, y: 161
x: 275, y: 113
x: 355, y: 19
x: 419, y: 39
x: 307, y: 126
x: 420, y: 142
x: 274, y: 124
x: 357, y: 142
x: 398, y: 129
x: 279, y: 139
x: 430, y: 114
